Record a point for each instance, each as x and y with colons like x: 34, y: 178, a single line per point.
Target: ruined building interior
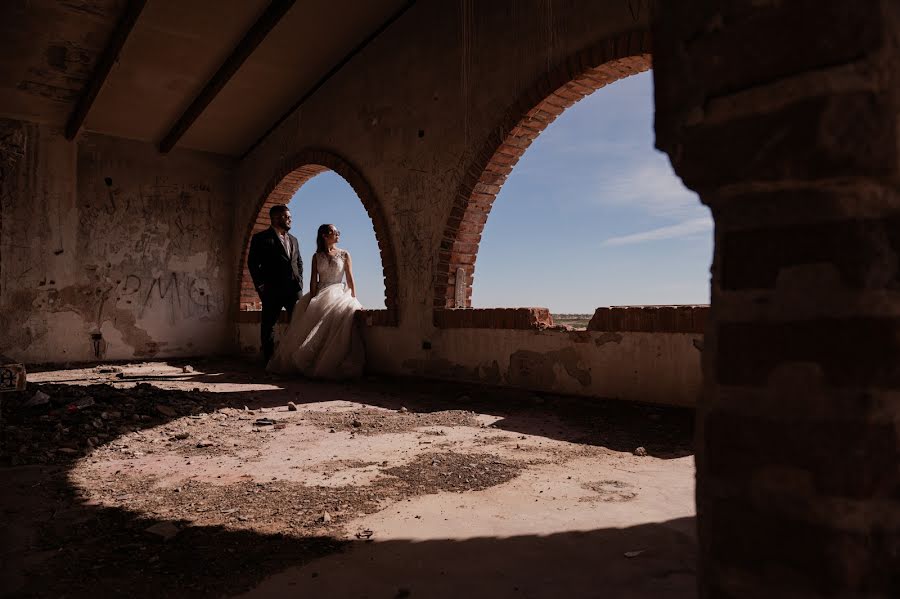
x: 748, y: 448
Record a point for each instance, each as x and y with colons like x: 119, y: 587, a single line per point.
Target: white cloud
x: 650, y: 186
x: 686, y: 228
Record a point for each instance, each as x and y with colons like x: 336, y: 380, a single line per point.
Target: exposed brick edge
x: 369, y: 318
x: 290, y: 175
x: 531, y: 319
x: 650, y: 319
x: 573, y: 79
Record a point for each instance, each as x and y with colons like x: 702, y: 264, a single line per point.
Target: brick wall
x: 635, y: 319
x: 494, y: 318
x: 579, y: 76
x: 783, y: 116
x: 294, y: 173
x: 650, y: 319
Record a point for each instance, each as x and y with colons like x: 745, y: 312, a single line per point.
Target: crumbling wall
x: 110, y: 250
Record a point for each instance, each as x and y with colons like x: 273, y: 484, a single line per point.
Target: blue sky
x: 592, y: 215
x: 328, y: 198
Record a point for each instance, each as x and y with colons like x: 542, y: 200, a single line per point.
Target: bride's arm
x: 314, y: 277
x: 350, y: 282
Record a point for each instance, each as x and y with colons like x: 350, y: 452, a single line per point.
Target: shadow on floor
x: 56, y: 546
x: 570, y: 564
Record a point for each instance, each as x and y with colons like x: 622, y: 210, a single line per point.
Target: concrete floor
x: 379, y: 488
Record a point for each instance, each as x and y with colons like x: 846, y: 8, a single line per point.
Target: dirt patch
x: 289, y: 507
x: 609, y: 491
x: 458, y: 472
x: 272, y: 507
x: 345, y: 464
x: 225, y: 432
x: 369, y: 421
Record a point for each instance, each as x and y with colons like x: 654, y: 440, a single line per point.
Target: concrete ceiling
x: 51, y: 47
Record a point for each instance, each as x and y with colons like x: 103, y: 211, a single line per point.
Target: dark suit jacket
x: 270, y: 265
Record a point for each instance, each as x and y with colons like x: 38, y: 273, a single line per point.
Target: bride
x: 321, y: 340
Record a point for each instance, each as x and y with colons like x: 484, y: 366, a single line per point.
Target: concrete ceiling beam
x: 104, y: 65
x: 253, y: 38
x: 359, y: 48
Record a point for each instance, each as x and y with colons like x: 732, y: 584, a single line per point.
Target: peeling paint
x: 490, y: 374
x: 605, y: 338
x: 580, y: 336
x: 537, y: 369
x: 444, y: 369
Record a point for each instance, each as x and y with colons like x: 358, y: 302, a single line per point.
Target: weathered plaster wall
x: 655, y: 367
x: 659, y: 368
x: 110, y: 250
x: 412, y: 111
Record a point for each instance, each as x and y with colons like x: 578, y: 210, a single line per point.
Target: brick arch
x: 573, y: 79
x: 290, y: 177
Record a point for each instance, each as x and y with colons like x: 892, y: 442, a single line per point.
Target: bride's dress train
x: 321, y: 340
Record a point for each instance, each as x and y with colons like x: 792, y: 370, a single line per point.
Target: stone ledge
x: 650, y: 319
x: 493, y: 318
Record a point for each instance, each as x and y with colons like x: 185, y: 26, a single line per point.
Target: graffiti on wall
x: 152, y: 221
x: 186, y: 295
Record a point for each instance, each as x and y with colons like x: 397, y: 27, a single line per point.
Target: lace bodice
x: 331, y: 267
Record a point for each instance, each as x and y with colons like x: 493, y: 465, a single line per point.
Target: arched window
x: 569, y: 82
x: 328, y: 198
x: 337, y: 187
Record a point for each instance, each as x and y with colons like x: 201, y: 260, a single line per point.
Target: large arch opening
x: 308, y: 165
x: 571, y: 81
x: 595, y: 216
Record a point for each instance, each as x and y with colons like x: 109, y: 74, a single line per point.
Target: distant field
x: 576, y: 321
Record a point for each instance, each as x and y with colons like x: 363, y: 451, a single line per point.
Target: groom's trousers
x: 272, y: 303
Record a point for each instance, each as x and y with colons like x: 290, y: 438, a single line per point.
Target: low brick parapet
x: 493, y: 318
x: 650, y: 319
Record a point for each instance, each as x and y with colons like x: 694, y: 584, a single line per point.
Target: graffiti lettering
x: 131, y: 285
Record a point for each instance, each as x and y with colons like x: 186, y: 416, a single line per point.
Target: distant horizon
x: 592, y: 215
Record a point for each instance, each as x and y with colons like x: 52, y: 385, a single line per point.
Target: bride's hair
x: 321, y: 246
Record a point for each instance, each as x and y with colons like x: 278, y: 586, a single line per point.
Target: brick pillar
x: 783, y: 116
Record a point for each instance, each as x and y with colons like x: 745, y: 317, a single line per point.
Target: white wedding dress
x: 321, y: 340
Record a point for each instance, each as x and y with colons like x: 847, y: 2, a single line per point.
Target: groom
x: 277, y: 270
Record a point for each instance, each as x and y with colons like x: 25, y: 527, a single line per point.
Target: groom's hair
x: 277, y: 209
